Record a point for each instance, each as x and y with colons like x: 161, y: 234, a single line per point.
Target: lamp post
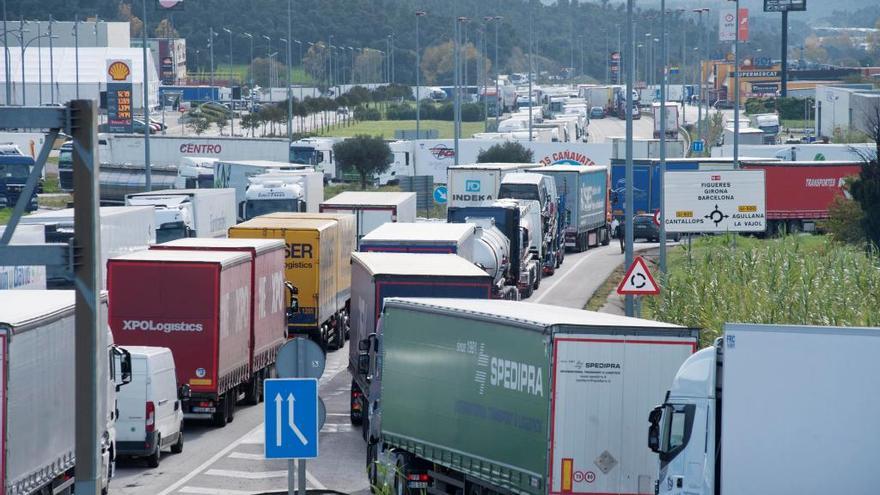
x: 269, y: 51
x: 6, y: 62
x: 289, y: 77
x: 664, y: 62
x: 251, y: 63
x: 148, y: 167
x: 531, y: 69
x: 229, y: 32
x: 211, y: 35
x: 628, y: 208
x: 51, y: 60
x: 498, y: 100
x: 419, y: 15
x: 329, y: 62
x: 700, y: 77
x: 736, y: 72
x: 76, y: 53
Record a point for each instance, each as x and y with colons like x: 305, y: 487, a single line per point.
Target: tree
x: 199, y: 124
x: 507, y: 152
x: 366, y: 155
x: 261, y: 71
x: 866, y: 190
x: 166, y: 30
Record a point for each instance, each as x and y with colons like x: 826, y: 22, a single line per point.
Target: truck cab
x: 14, y: 172
x: 174, y: 216
x: 266, y: 195
x: 541, y: 188
x: 317, y: 152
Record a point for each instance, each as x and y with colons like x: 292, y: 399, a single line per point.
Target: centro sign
x: 207, y: 148
x: 716, y: 201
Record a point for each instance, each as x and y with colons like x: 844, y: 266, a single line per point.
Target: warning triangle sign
x: 638, y: 280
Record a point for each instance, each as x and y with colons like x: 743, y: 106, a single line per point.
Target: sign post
x: 785, y: 6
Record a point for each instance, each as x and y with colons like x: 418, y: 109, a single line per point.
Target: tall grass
x: 796, y: 280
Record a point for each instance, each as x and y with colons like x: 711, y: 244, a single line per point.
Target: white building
x: 67, y: 33
x: 844, y: 107
x: 40, y: 76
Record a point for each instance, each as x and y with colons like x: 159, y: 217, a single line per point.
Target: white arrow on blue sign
x: 291, y: 418
x: 697, y: 146
x: 440, y: 194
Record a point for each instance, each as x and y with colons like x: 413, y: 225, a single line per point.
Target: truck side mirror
x: 293, y: 307
x: 654, y: 429
x: 364, y: 345
x: 124, y: 359
x: 184, y: 392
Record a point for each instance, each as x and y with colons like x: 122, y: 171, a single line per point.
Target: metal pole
x: 736, y: 91
x: 23, y: 82
x: 419, y: 14
x: 498, y: 100
x: 76, y: 51
x: 289, y: 76
x: 784, y: 89
x: 40, y: 63
x: 51, y: 62
x: 148, y: 179
x: 211, y: 47
x: 456, y: 100
x: 664, y: 63
x: 484, y: 78
x: 707, y: 56
x: 628, y: 209
x: 531, y: 96
x: 91, y: 341
x: 301, y: 476
x: 6, y: 62
x: 291, y: 478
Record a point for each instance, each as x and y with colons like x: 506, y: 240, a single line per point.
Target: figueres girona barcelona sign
x: 567, y: 157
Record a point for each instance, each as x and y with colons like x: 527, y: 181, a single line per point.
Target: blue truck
x: 377, y: 276
x: 584, y: 204
x: 14, y: 172
x: 192, y: 93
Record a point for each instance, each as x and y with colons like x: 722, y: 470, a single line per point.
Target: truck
x: 267, y: 193
x: 237, y: 174
x: 497, y: 396
x: 195, y: 172
x: 24, y: 277
x: 124, y: 229
x: 192, y: 93
x: 37, y: 338
x: 316, y: 152
x: 377, y: 276
x: 169, y: 150
x: 372, y: 209
x: 317, y: 293
x: 646, y: 148
x: 198, y: 304
x: 267, y: 300
x: 672, y: 120
x: 478, y: 184
x: 585, y: 204
x: 747, y: 136
x: 188, y: 212
x: 530, y: 186
x: 769, y: 125
x: 422, y: 237
x: 14, y: 172
x: 724, y: 427
x: 519, y: 221
x: 799, y: 193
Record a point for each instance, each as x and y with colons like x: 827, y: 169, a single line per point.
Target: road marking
x: 250, y: 457
x: 341, y: 415
x: 556, y: 282
x: 336, y: 428
x: 198, y: 490
x: 248, y: 475
x: 314, y: 482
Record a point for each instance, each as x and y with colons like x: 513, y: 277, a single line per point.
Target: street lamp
x: 251, y: 63
x: 268, y: 56
x: 211, y: 34
x: 498, y: 101
x: 24, y: 46
x: 229, y: 32
x: 736, y: 72
x: 419, y: 14
x: 457, y: 101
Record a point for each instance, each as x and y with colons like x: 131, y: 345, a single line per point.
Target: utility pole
x: 51, y: 60
x: 6, y: 61
x: 148, y: 181
x: 76, y: 53
x: 628, y: 208
x: 736, y: 91
x: 419, y: 14
x: 289, y: 77
x: 664, y: 62
x: 531, y: 96
x: 211, y: 49
x: 499, y: 102
x: 784, y: 89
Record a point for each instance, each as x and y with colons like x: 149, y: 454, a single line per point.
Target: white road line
x: 247, y: 475
x: 564, y: 276
x: 198, y: 490
x: 250, y: 457
x: 314, y: 482
x: 341, y: 415
x: 219, y: 455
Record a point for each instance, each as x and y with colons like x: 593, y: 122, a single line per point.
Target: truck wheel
x: 220, y: 415
x: 606, y: 238
x: 372, y: 468
x: 177, y: 448
x: 538, y: 280
x: 252, y: 396
x: 400, y: 477
x: 153, y: 459
x: 230, y: 400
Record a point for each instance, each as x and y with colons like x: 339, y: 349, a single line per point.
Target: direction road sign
x: 300, y: 358
x: 698, y: 146
x: 291, y: 418
x: 638, y: 280
x: 715, y: 201
x: 440, y: 194
x: 657, y: 218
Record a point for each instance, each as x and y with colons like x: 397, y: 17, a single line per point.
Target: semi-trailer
x: 772, y: 409
x: 372, y: 209
x: 478, y: 184
x: 268, y: 305
x: 38, y: 393
x: 317, y: 292
x: 188, y: 212
x: 237, y: 174
x: 198, y: 304
x: 473, y: 396
x: 799, y: 193
x: 295, y: 191
x: 377, y: 276
x: 422, y: 237
x: 585, y: 204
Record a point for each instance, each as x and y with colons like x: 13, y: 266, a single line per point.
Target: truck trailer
x: 799, y: 193
x: 772, y: 409
x: 377, y: 276
x: 38, y: 392
x: 188, y: 212
x: 300, y: 191
x: 311, y: 268
x: 268, y: 305
x: 237, y: 175
x: 422, y: 237
x: 198, y: 304
x: 585, y: 204
x: 372, y: 209
x: 478, y: 184
x: 496, y: 396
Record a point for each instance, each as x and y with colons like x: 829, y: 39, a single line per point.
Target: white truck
x: 530, y: 186
x: 672, y: 120
x: 170, y: 150
x: 195, y: 172
x: 189, y: 212
x: 422, y: 237
x: 772, y: 409
x: 768, y: 123
x: 237, y: 174
x: 478, y: 184
x: 24, y: 277
x: 37, y: 392
x: 124, y: 229
x: 300, y: 191
x: 316, y: 152
x: 372, y: 209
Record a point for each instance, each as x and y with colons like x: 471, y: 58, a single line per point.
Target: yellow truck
x: 312, y: 258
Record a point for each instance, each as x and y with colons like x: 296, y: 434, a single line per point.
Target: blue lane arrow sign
x: 292, y: 424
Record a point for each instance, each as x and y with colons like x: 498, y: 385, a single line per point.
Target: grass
x: 5, y: 213
x: 600, y: 297
x: 51, y: 185
x: 797, y: 123
x: 386, y: 128
x: 807, y: 280
x: 240, y: 71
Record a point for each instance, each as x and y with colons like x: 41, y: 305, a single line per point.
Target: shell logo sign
x: 119, y: 71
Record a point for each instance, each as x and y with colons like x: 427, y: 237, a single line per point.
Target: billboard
x: 715, y: 201
x: 744, y: 24
x: 727, y: 25
x: 614, y: 67
x: 119, y: 96
x: 785, y: 5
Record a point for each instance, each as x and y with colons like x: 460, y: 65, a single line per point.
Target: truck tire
x: 606, y: 237
x: 372, y: 468
x: 538, y: 280
x: 252, y: 395
x: 231, y: 397
x: 177, y: 448
x: 220, y: 415
x: 400, y: 477
x: 153, y: 459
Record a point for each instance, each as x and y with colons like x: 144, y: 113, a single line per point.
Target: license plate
x: 417, y: 484
x: 204, y: 410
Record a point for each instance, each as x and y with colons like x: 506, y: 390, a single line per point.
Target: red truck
x: 196, y: 303
x: 268, y: 307
x: 799, y: 193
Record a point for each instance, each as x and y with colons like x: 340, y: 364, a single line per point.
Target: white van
x: 150, y: 416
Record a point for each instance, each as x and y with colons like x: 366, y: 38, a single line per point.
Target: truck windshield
x: 255, y: 208
x: 303, y: 155
x: 519, y: 191
x: 170, y: 232
x: 14, y: 172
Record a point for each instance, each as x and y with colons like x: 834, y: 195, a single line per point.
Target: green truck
x: 491, y: 396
